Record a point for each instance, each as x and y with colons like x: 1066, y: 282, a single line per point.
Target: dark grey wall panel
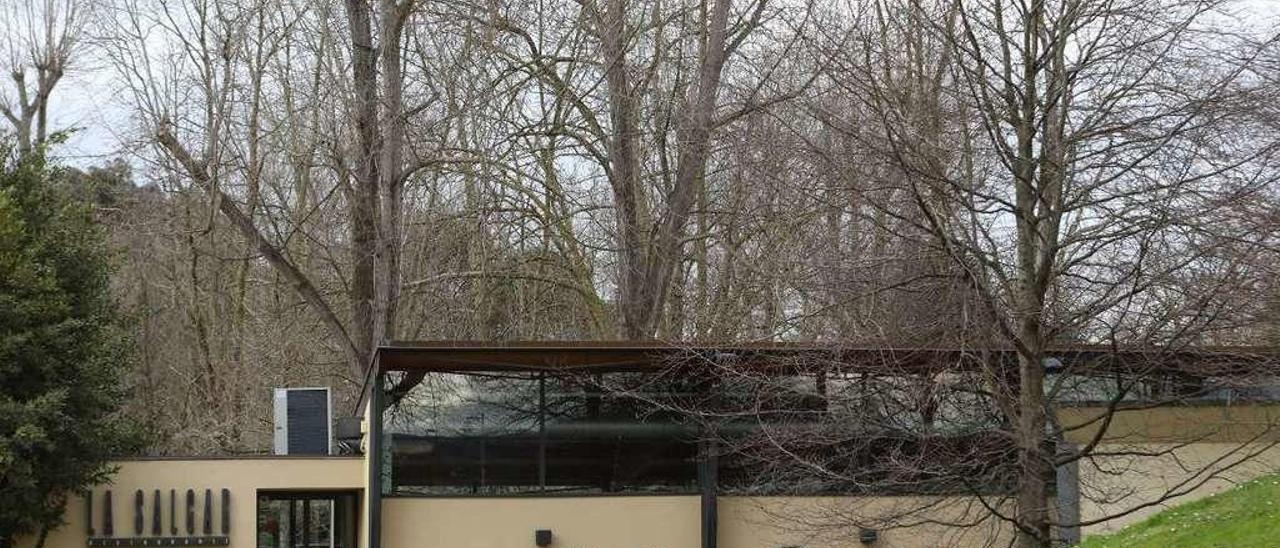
x: 308, y: 422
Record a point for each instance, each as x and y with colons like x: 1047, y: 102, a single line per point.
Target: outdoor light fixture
x: 868, y: 536
x: 542, y: 537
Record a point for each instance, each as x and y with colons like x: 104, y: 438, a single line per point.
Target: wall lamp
x: 542, y: 537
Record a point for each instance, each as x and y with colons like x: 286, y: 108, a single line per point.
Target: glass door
x: 306, y: 520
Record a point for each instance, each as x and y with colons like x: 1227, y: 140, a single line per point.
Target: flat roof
x: 422, y: 357
x: 463, y: 356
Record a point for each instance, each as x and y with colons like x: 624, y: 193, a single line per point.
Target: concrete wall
x: 577, y: 522
x: 1169, y: 455
x: 1185, y: 424
x: 1126, y: 478
x: 1178, y: 453
x: 243, y: 477
x: 672, y: 522
x: 822, y: 522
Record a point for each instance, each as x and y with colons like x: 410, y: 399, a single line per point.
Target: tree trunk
x: 391, y: 165
x: 363, y: 195
x: 273, y: 254
x: 646, y: 267
x: 624, y: 167
x: 43, y: 536
x: 1034, y: 469
x: 691, y: 167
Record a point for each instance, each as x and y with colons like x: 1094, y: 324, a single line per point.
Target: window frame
x: 542, y: 488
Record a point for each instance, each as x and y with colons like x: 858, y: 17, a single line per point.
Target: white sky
x: 89, y: 98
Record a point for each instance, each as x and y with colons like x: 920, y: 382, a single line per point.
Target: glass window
x: 528, y: 433
x: 832, y: 434
x: 306, y: 520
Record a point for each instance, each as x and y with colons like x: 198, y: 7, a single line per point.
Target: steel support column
x: 707, y: 467
x: 1068, y: 500
x: 374, y: 453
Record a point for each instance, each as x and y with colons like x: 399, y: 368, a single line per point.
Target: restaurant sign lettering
x: 151, y: 528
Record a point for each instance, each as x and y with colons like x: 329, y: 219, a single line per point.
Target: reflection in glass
x: 515, y: 433
x: 306, y: 520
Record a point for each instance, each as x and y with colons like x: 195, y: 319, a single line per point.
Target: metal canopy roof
x: 462, y: 356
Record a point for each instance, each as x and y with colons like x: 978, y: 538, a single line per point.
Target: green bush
x: 63, y: 351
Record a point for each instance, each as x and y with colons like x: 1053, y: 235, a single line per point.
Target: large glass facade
x: 805, y: 423
x: 540, y: 433
x: 842, y: 433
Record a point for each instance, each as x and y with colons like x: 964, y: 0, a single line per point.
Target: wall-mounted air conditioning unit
x: 303, y: 421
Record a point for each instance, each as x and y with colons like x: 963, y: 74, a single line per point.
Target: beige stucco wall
x: 243, y: 477
x: 822, y: 522
x: 669, y: 522
x: 1185, y: 450
x: 1126, y: 476
x: 1170, y: 455
x: 1198, y: 424
x: 577, y: 522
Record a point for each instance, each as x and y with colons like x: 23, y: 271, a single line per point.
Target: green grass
x: 1243, y: 517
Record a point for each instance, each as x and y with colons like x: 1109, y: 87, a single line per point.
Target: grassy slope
x: 1244, y: 517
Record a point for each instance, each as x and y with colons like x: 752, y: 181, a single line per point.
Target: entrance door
x: 288, y: 519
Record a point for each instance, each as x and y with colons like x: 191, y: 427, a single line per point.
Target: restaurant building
x: 636, y: 445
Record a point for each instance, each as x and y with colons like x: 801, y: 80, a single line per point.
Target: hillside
x: 1243, y: 517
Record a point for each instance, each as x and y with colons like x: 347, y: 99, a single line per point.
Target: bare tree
x: 973, y: 175
x: 626, y: 101
x: 40, y: 39
x: 371, y: 172
x: 1075, y: 160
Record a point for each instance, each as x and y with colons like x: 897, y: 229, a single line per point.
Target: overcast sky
x: 89, y: 99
